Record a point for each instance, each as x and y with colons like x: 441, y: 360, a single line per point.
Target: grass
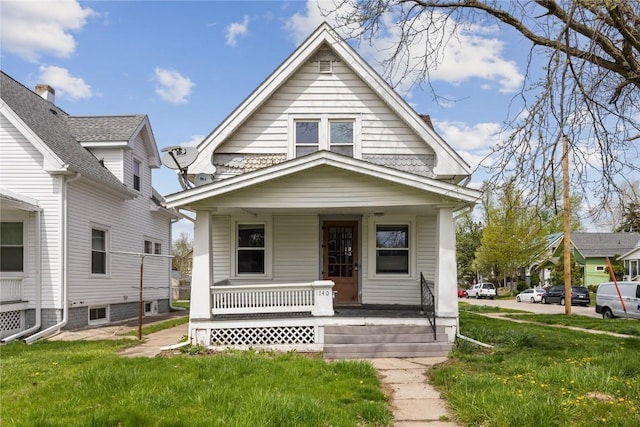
x: 618, y: 326
x: 182, y: 303
x: 540, y: 376
x: 87, y: 384
x: 464, y: 306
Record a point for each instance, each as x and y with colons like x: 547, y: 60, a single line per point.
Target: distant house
x: 631, y: 261
x: 76, y: 206
x: 327, y: 220
x: 591, y: 250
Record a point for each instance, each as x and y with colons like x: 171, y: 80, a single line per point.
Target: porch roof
x: 12, y: 200
x: 438, y: 192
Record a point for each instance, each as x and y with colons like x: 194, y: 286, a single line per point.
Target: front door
x: 340, y: 258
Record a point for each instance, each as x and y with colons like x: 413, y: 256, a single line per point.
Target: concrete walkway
x: 414, y: 401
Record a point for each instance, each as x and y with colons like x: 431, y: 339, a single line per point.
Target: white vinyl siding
x: 22, y: 171
x: 316, y: 188
x: 378, y: 289
x: 112, y: 158
x: 293, y: 256
x: 341, y: 93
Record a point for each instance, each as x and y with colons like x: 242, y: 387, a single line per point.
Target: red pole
x: 615, y: 282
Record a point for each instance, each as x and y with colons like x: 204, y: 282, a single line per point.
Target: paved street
x: 534, y: 308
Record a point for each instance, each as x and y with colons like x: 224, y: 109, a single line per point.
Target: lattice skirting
x: 11, y: 322
x: 274, y: 335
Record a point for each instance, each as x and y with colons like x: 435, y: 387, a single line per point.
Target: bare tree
x: 587, y: 92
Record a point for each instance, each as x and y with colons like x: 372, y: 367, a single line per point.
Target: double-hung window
x: 392, y: 249
x: 137, y: 168
x: 324, y: 133
x: 98, y: 251
x: 11, y: 246
x: 251, y: 249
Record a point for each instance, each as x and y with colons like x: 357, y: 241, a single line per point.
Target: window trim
x: 324, y: 131
x: 268, y: 253
x: 599, y: 268
x: 100, y: 321
x: 374, y: 222
x: 24, y: 249
x: 107, y: 247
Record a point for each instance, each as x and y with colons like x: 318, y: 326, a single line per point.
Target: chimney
x: 47, y: 92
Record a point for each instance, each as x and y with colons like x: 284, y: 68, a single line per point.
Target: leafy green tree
x: 468, y: 234
x: 513, y: 236
x: 618, y: 268
x: 630, y: 218
x: 182, y: 251
x: 557, y: 273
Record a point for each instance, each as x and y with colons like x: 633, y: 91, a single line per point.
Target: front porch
x: 303, y: 317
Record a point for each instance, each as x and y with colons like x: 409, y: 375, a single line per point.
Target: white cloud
x: 193, y: 141
x: 471, y: 52
x: 236, y: 30
x: 172, y: 86
x: 473, y: 143
x: 63, y: 83
x: 30, y: 29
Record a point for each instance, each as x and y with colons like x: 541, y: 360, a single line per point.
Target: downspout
x: 38, y: 298
x: 63, y: 248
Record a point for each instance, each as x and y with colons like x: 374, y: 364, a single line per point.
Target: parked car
x: 555, y: 294
x: 482, y: 290
x: 610, y: 304
x: 462, y: 293
x: 530, y: 295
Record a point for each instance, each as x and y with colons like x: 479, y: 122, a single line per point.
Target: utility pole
x: 566, y: 225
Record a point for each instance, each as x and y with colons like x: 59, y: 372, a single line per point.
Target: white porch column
x: 446, y: 267
x: 202, y: 270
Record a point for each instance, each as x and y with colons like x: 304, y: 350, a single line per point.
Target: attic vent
x: 325, y: 67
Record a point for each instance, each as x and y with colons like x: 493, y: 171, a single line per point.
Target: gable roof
x: 449, y: 163
x: 461, y: 195
x: 52, y: 131
x: 600, y: 245
x: 101, y: 131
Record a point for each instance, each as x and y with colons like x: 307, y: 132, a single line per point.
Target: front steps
x: 377, y: 341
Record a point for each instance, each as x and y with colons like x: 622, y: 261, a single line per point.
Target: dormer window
x: 137, y: 166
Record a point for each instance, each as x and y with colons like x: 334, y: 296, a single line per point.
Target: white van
x: 608, y: 301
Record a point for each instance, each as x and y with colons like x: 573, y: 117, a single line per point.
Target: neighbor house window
x: 11, y: 247
x: 98, y: 251
x: 392, y: 249
x: 251, y: 249
x: 152, y: 247
x: 337, y: 134
x: 600, y: 268
x: 136, y: 174
x: 97, y: 315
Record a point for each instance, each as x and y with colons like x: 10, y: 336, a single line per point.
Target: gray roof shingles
x: 106, y: 128
x: 57, y: 129
x: 599, y: 245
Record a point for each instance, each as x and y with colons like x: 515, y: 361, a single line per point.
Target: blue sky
x: 188, y: 64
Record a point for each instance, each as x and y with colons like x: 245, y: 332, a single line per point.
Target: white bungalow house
x: 325, y: 217
x: 631, y: 260
x: 76, y: 206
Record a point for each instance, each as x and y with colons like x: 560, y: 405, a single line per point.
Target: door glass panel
x: 340, y: 251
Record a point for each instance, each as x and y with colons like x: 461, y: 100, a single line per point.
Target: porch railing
x: 314, y: 297
x: 10, y: 289
x: 428, y: 303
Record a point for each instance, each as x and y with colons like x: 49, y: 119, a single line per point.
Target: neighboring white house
x: 324, y: 182
x: 75, y: 191
x: 631, y: 261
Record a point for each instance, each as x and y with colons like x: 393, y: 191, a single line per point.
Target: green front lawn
x: 538, y: 375
x: 87, y: 384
